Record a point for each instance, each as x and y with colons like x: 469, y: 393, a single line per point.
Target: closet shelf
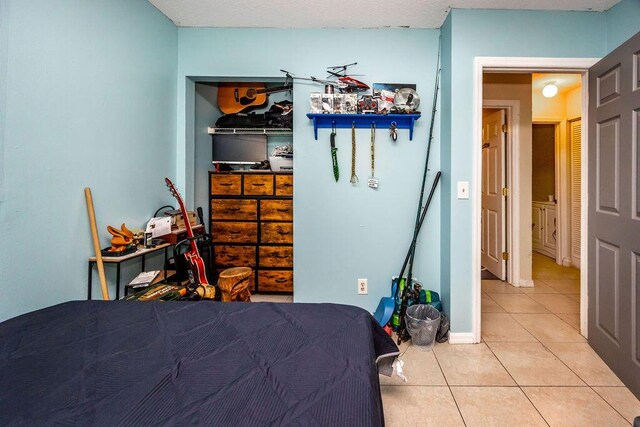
x: 250, y: 131
x: 363, y: 121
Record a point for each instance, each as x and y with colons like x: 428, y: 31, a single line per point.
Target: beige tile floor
x: 532, y: 368
x: 271, y: 298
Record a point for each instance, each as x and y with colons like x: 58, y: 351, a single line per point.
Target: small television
x: 239, y: 149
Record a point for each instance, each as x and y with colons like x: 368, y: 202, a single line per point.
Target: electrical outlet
x: 362, y: 287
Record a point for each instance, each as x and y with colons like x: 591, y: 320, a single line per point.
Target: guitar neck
x: 187, y: 225
x: 274, y: 89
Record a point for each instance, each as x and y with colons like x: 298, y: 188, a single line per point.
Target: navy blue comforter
x: 192, y: 363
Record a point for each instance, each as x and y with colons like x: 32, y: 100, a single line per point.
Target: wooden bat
x: 96, y: 244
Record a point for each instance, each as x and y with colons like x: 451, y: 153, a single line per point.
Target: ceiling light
x: 550, y: 90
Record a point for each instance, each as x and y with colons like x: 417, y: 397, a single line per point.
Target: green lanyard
x: 334, y: 152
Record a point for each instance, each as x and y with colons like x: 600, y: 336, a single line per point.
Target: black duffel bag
x: 241, y: 120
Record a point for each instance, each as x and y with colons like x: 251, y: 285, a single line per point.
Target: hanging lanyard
x: 373, y: 149
x: 372, y: 182
x: 354, y: 177
x: 334, y: 152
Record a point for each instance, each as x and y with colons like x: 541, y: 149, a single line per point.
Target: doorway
x: 517, y: 255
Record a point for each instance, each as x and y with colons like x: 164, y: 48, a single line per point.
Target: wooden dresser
x: 252, y: 225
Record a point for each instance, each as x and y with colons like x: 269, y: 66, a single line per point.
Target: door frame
x: 510, y: 239
x: 524, y: 65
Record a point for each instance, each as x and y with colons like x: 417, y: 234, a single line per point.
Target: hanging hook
x: 393, y: 131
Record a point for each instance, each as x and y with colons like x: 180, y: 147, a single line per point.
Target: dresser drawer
x: 240, y: 209
x: 226, y: 184
x: 235, y: 256
x: 258, y: 185
x: 276, y: 256
x: 284, y: 185
x: 234, y: 232
x: 275, y: 281
x: 276, y: 210
x: 276, y: 232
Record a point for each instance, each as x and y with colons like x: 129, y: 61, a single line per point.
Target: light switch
x: 463, y: 189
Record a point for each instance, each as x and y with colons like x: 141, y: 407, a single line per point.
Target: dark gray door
x: 614, y: 211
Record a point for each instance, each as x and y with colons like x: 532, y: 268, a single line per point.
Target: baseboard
x: 525, y: 283
x: 575, y: 262
x: 461, y: 338
x: 566, y: 262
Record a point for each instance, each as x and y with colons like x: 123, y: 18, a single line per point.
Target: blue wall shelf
x: 363, y: 121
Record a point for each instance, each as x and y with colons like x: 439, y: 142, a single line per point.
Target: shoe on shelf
x: 263, y: 165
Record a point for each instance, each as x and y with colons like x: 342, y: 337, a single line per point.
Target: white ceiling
x: 344, y: 13
x: 564, y: 82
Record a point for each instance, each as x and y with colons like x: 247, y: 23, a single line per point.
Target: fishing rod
x: 421, y: 212
x: 422, y: 217
x: 426, y: 164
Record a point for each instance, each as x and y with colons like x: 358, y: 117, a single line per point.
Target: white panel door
x: 493, y: 140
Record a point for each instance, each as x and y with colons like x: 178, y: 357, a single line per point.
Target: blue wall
x: 623, y: 21
x: 341, y: 233
x: 445, y: 160
x: 90, y: 101
x: 102, y: 94
x: 496, y: 33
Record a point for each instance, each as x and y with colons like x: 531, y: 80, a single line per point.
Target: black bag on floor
x: 443, y: 329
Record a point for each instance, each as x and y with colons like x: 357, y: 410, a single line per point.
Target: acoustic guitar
x: 238, y: 97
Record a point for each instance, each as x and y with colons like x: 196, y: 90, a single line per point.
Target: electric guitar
x: 238, y: 97
x: 199, y: 274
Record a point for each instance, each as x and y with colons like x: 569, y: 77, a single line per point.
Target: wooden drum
x: 234, y: 284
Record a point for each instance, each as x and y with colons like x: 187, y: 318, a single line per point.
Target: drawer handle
x: 258, y: 184
x: 281, y: 256
x: 287, y: 184
x: 281, y: 280
x: 234, y: 232
x: 235, y: 209
x: 233, y: 257
x: 283, y: 233
x: 283, y: 209
x: 226, y: 184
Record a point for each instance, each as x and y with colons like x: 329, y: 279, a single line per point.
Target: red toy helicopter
x: 344, y: 83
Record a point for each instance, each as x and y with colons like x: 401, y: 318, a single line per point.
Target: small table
x: 117, y: 260
x: 178, y: 234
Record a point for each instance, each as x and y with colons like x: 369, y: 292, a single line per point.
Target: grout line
x: 607, y: 402
x: 534, y: 407
x: 584, y: 381
x: 517, y: 385
x: 514, y: 380
x: 448, y: 385
x: 538, y: 341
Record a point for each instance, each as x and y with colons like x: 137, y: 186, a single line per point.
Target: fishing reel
x: 406, y: 100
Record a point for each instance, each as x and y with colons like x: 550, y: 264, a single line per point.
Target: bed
x: 192, y: 363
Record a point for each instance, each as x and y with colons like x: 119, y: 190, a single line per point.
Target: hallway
x: 532, y: 368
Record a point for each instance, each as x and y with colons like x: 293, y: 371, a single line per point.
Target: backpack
x: 280, y: 115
